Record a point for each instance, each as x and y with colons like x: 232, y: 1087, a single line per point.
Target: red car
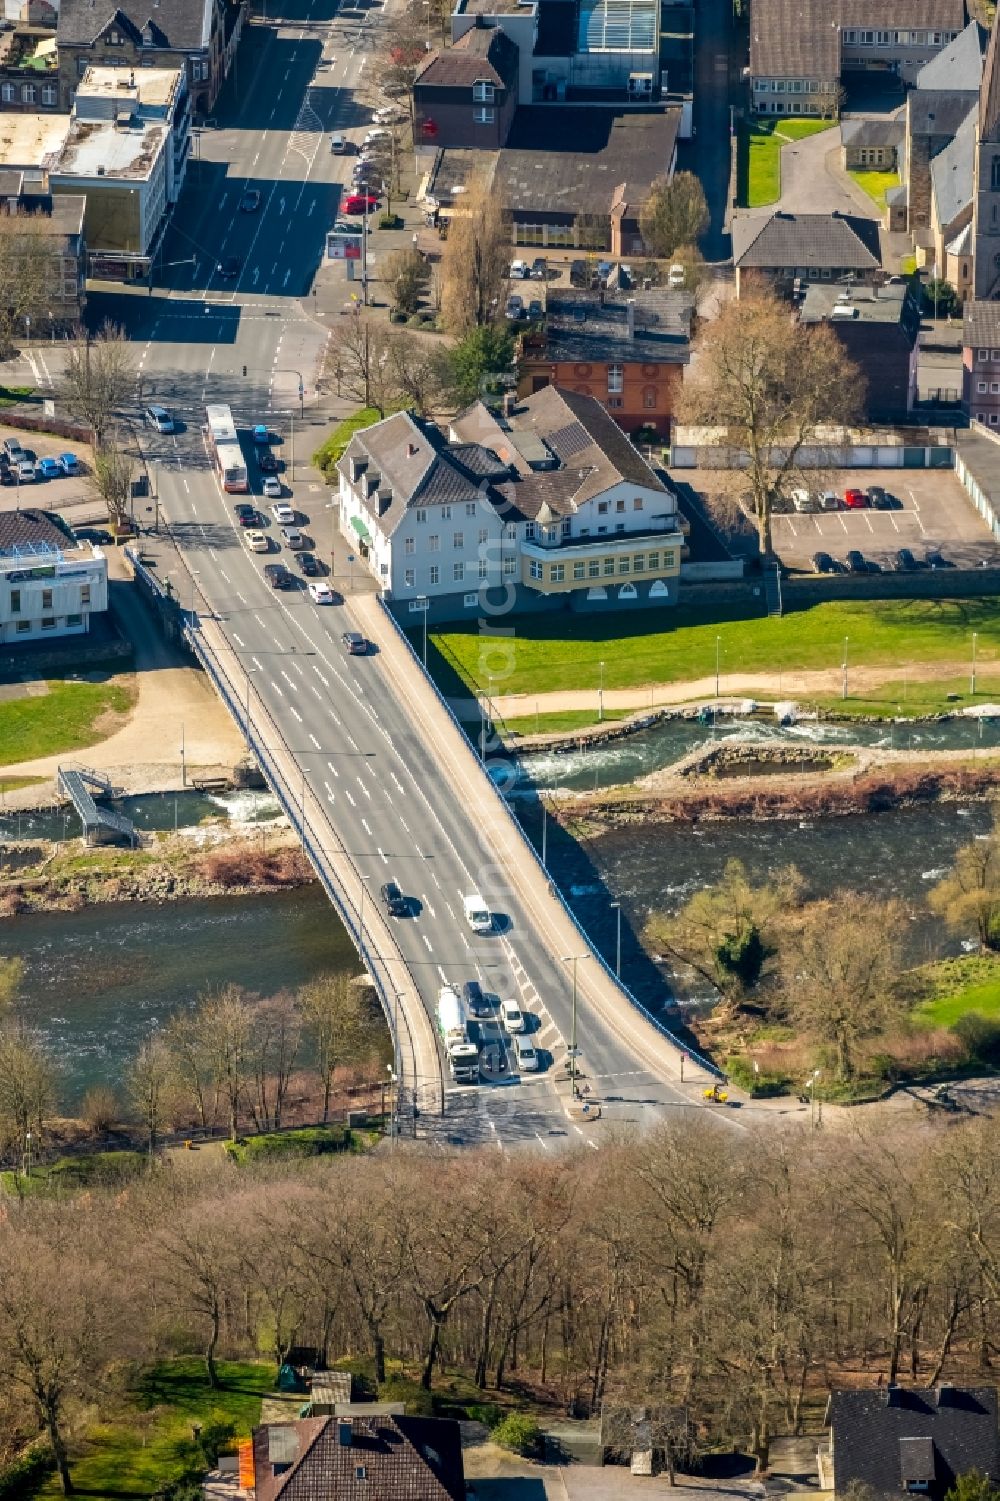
x: 360, y: 203
x: 855, y: 500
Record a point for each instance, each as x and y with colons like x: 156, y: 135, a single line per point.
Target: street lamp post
x: 423, y: 602
x: 183, y: 761
x: 27, y: 1154
x: 843, y: 689
x: 618, y: 940
x: 811, y: 1081
x: 573, y: 959
x: 545, y: 834
x: 718, y: 644
x: 972, y: 685
x: 600, y: 697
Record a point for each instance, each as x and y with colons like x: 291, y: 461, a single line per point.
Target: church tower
x: 986, y: 184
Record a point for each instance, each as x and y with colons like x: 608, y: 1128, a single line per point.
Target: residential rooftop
x: 959, y: 66
x: 495, y: 7
x: 152, y: 88
x: 801, y: 38
x: 183, y: 25
x: 581, y: 326
x: 981, y: 325
x: 29, y: 141
x: 481, y: 54
x: 356, y: 1458
x: 936, y: 112
x: 54, y: 214
x: 578, y: 161
x: 763, y: 241
x: 888, y: 304
x: 30, y: 538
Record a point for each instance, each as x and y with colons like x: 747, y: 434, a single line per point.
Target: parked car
x: 278, y: 576
x: 579, y: 274
x: 70, y: 463
x: 13, y: 449
x: 271, y: 487
x: 823, y: 563
x: 802, y: 500
x: 935, y: 559
x: 339, y: 144
x: 676, y: 275
x: 388, y: 114
x: 904, y: 561
x: 246, y: 515
x: 256, y: 541
x: 535, y: 309
x: 539, y: 269
x: 250, y: 202
x: 159, y: 418
x: 475, y: 1000
x: 261, y: 434
x: 856, y: 562
x: 514, y: 308
x: 855, y: 500
x: 880, y: 499
x: 25, y: 471
x: 293, y: 538
x: 512, y: 1016
x: 829, y: 500
x: 519, y: 270
x: 48, y: 468
x: 394, y: 901
x: 282, y: 512
x: 360, y: 203
x: 355, y: 643
x: 377, y: 133
x: 320, y: 592
x: 306, y: 563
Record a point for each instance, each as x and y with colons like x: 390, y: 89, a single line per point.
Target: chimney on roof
x: 892, y: 1394
x: 945, y: 1395
x: 344, y: 1435
x: 630, y: 317
x: 412, y: 450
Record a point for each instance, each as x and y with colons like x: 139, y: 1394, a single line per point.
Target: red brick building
x: 627, y: 349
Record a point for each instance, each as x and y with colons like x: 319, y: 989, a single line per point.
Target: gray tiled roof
x: 481, y: 54
x: 959, y: 66
x: 952, y: 173
x: 872, y: 132
x: 21, y: 528
x: 801, y: 38
x: 774, y: 240
x: 182, y: 24
x: 572, y: 160
x: 989, y: 96
x: 981, y: 325
x: 883, y: 1437
x: 357, y: 1458
x: 585, y: 326
x: 936, y: 113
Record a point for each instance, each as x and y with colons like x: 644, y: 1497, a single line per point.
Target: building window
x: 421, y: 515
x: 995, y: 387
x: 483, y: 92
x: 46, y: 599
x: 74, y: 620
x: 484, y: 535
x: 566, y: 530
x: 639, y: 563
x: 668, y: 560
x: 510, y: 530
x: 50, y: 94
x: 509, y: 567
x: 995, y: 174
x: 619, y: 526
x: 458, y: 540
x: 614, y: 402
x: 434, y: 544
x: 649, y: 397
x: 7, y: 93
x: 409, y: 546
x: 48, y: 622
x: 470, y: 508
x: 85, y: 594
x: 557, y: 573
x: 483, y: 114
x: 603, y: 507
x: 434, y: 574
x: 654, y: 561
x: 995, y: 356
x: 409, y: 578
x: 25, y: 625
x: 15, y: 601
x: 446, y: 513
x: 484, y: 568
x: 28, y: 93
x: 624, y: 565
x: 458, y: 572
x: 616, y: 378
x: 579, y: 570
x: 534, y: 569
x: 529, y: 531
x: 594, y: 568
x: 619, y: 506
x: 637, y: 503
x: 470, y: 601
x: 984, y: 386
x: 609, y: 566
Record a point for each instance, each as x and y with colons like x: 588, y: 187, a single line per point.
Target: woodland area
x: 740, y: 1272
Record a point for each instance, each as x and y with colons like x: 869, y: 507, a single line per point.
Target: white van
x: 802, y: 500
x: 525, y: 1053
x: 477, y: 914
x: 338, y: 143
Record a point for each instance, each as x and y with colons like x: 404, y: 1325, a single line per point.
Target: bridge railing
x: 407, y: 1090
x: 654, y: 1021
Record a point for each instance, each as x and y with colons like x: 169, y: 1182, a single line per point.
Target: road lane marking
x: 312, y: 737
x: 333, y: 768
x: 542, y: 1143
x: 427, y: 942
x: 239, y: 643
x: 364, y: 789
x: 364, y: 825
x: 257, y: 664
x: 329, y: 792
x: 385, y: 857
x: 349, y: 798
x: 295, y: 711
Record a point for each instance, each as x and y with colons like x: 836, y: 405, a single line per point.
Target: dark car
x: 394, y: 901
x: 6, y: 474
x: 306, y: 563
x: 472, y: 995
x: 880, y: 499
x: 934, y: 559
x: 856, y: 562
x: 278, y: 576
x: 822, y: 563
x: 246, y: 515
x: 579, y: 274
x: 904, y: 561
x: 266, y: 462
x: 356, y: 644
x: 535, y: 309
x: 230, y: 267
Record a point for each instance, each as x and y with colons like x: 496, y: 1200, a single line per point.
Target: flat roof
x: 575, y: 160
x: 97, y: 148
x: 27, y: 140
x: 156, y: 87
x: 495, y: 7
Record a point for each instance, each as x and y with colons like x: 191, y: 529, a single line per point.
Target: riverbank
x: 44, y: 876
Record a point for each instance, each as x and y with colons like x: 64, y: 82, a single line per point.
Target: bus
x: 225, y: 445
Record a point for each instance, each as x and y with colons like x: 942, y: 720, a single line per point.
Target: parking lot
x: 929, y: 512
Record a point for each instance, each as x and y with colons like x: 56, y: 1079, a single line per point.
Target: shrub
x: 981, y: 1038
x: 519, y: 1433
x: 419, y: 1404
x: 187, y: 1488
x: 100, y: 1109
x: 763, y: 1084
x: 487, y: 1413
x: 215, y: 1439
x: 390, y: 221
x: 23, y: 1476
x: 397, y: 315
x: 247, y: 865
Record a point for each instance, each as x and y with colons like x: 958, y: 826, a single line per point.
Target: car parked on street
x: 360, y: 203
x: 514, y: 308
x: 519, y: 270
x: 879, y: 498
x: 803, y: 500
x: 856, y: 562
x: 25, y: 470
x: 535, y: 309
x: 829, y: 500
x: 855, y: 500
x: 904, y: 561
x: 14, y: 450
x: 48, y: 468
x: 933, y: 558
x: 539, y: 269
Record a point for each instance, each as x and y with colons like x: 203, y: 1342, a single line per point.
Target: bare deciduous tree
x: 406, y: 274
x: 335, y: 1017
x: 969, y: 896
x: 674, y: 214
x: 770, y: 384
x: 31, y: 274
x: 112, y: 480
x: 99, y: 377
x: 27, y: 1086
x: 362, y: 357
x: 476, y: 259
x: 147, y: 1082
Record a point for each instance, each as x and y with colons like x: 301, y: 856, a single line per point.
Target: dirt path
x: 812, y: 684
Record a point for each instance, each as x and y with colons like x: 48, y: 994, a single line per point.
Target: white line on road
x: 364, y: 825
x: 404, y: 825
x: 333, y: 768
x: 542, y: 1143
x: 349, y: 798
x: 364, y: 789
x: 239, y: 643
x: 385, y: 857
x: 257, y: 664
x: 396, y: 780
x: 444, y: 977
x: 428, y: 943
x: 312, y: 737
x: 295, y: 711
x: 329, y: 791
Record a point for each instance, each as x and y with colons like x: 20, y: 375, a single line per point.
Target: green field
x: 876, y: 184
x: 64, y: 719
x: 971, y: 983
x: 556, y: 724
x: 148, y: 1441
x: 760, y: 153
x: 560, y: 653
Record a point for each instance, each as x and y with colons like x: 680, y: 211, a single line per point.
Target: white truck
x: 453, y: 1024
x: 477, y: 914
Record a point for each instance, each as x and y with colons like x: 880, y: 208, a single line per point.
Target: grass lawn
x: 11, y: 395
x: 971, y: 983
x: 876, y: 184
x: 148, y: 1441
x: 554, y: 724
x: 563, y: 653
x: 12, y: 784
x: 760, y: 174
x: 66, y: 718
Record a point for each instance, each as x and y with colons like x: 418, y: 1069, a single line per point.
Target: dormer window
x: 114, y: 39
x: 147, y: 36
x: 482, y: 92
